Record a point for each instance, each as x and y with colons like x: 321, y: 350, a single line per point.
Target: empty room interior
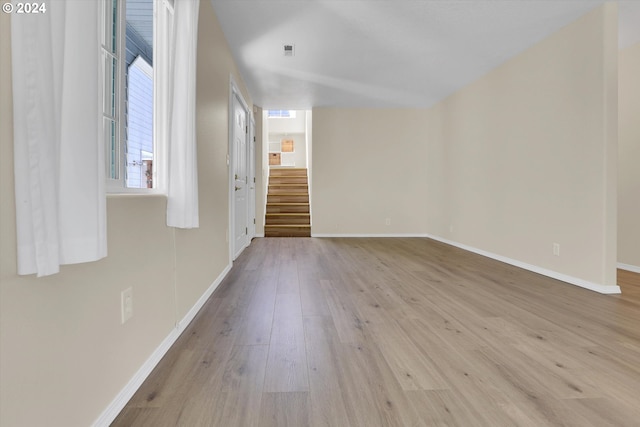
x: 466, y: 176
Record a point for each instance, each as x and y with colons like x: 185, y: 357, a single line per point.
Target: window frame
x: 110, y: 48
x: 162, y: 27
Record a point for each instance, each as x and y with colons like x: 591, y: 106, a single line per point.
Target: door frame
x: 251, y: 173
x: 234, y: 91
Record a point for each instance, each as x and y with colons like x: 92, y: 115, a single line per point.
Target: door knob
x: 238, y: 188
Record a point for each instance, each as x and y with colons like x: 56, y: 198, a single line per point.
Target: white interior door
x: 251, y: 155
x: 240, y: 177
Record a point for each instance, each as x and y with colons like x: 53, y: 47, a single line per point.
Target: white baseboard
x: 368, y: 235
x: 259, y: 235
x: 203, y: 299
x: 629, y: 267
x: 116, y: 405
x: 603, y: 289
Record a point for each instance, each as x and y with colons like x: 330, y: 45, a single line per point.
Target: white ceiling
x: 387, y: 53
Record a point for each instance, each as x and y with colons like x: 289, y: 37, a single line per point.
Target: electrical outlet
x: 387, y: 221
x: 556, y: 249
x: 126, y: 304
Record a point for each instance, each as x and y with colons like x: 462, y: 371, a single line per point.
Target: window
x: 139, y: 129
x: 110, y: 107
x: 282, y: 114
x: 133, y: 141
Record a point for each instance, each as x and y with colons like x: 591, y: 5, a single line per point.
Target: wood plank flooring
x: 396, y: 332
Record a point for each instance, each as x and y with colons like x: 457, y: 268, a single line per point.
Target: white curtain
x: 182, y: 203
x: 58, y: 149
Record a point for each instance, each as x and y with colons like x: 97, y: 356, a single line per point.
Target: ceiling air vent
x: 289, y: 50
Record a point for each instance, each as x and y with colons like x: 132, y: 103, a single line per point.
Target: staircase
x: 288, y: 204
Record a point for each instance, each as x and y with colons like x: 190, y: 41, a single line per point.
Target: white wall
x: 64, y: 356
x: 295, y: 128
x: 368, y: 165
x: 629, y: 157
x: 526, y: 156
x: 518, y: 160
x: 262, y: 168
x: 291, y: 125
x: 309, y: 134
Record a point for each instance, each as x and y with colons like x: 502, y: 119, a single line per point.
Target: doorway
x: 287, y: 170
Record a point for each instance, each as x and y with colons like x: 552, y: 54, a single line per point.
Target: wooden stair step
x: 291, y: 215
x: 299, y: 193
x: 288, y: 179
x: 288, y: 190
x: 288, y: 171
x: 290, y: 197
x: 287, y: 233
x: 299, y: 187
x: 290, y: 226
x: 287, y: 222
x: 279, y: 230
x: 288, y: 218
x: 288, y: 213
x: 287, y: 207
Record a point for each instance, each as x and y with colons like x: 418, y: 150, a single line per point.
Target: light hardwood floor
x: 396, y: 332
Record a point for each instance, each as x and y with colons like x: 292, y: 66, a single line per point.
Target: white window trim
x: 162, y: 25
x: 117, y: 185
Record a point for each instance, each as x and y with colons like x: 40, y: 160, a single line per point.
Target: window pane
x: 110, y: 26
x: 110, y: 86
x: 139, y: 143
x: 111, y: 145
x: 283, y: 114
x: 110, y: 90
x: 139, y: 124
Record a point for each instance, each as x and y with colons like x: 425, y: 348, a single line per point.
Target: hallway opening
x: 287, y: 162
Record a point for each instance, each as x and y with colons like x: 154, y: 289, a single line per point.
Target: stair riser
x: 287, y: 220
x: 284, y: 198
x: 280, y: 189
x: 287, y: 209
x: 288, y: 186
x: 287, y: 232
x: 288, y: 172
x: 274, y: 180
